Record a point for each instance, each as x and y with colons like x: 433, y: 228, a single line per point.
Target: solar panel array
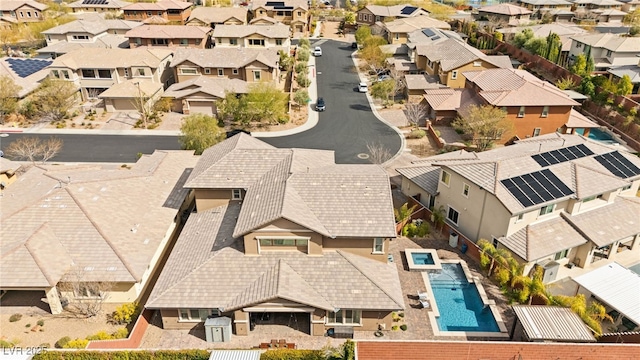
x: 408, y: 10
x: 562, y: 155
x: 26, y: 67
x: 274, y: 3
x: 95, y: 2
x: 618, y: 165
x: 428, y: 32
x: 536, y: 188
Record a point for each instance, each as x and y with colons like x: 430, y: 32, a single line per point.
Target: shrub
x: 401, y: 314
x: 395, y: 328
x: 403, y: 327
x: 303, y: 55
x: 301, y: 68
x: 416, y: 134
x: 502, y: 276
x: 62, y: 342
x: 304, y: 43
x: 28, y: 325
x: 303, y: 81
x: 134, y: 354
x: 423, y: 229
x: 41, y: 322
x: 5, y: 344
x: 77, y: 344
x: 15, y: 317
x: 125, y: 313
x: 45, y: 345
x: 121, y: 333
x: 292, y: 354
x: 100, y: 335
x: 163, y: 105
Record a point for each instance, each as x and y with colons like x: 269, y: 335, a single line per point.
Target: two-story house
x: 275, y: 241
x: 172, y: 11
x: 21, y: 11
x: 204, y: 76
x: 599, y: 10
x: 87, y: 232
x: 632, y: 71
x: 606, y: 50
x: 507, y: 14
x: 559, y: 10
x: 170, y: 35
x: 557, y: 198
x: 372, y: 14
x: 294, y: 13
x: 95, y: 6
x: 259, y: 36
x: 95, y: 32
x: 213, y: 16
x: 126, y: 73
x: 397, y: 31
x: 533, y: 106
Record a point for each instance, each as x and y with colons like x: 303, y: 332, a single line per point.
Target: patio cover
x: 235, y: 355
x: 616, y: 286
x: 552, y: 323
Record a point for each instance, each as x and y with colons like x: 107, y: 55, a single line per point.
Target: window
x: 591, y: 198
x: 173, y: 12
x: 344, y: 317
x: 278, y: 42
x: 521, y: 112
x: 138, y: 41
x: 378, y: 245
x: 536, y: 132
x: 149, y: 13
x: 284, y: 242
x: 28, y: 13
x: 184, y: 42
x: 13, y: 13
x: 429, y: 63
x: 141, y: 72
x: 477, y: 63
x: 233, y: 41
x: 88, y: 73
x: 195, y: 315
x: 220, y: 72
x: 454, y: 74
x: 21, y: 14
x: 545, y: 112
x: 299, y: 13
x: 452, y: 215
x: 35, y: 14
x: 87, y: 292
x: 494, y: 241
x: 55, y: 74
x: 561, y: 255
x: 207, y: 71
x: 236, y: 194
x: 65, y: 74
x: 161, y: 42
x: 234, y: 71
x: 579, y: 45
x: 126, y: 72
x: 626, y: 187
x: 256, y: 42
x: 397, y: 36
x: 104, y: 74
x: 609, y: 52
x: 520, y: 217
x: 546, y: 209
x: 465, y: 190
x: 256, y: 75
x: 445, y: 177
x: 80, y: 37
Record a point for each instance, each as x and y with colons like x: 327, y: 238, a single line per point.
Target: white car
x: 362, y: 87
x: 317, y: 51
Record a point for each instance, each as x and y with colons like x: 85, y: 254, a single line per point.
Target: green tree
x: 199, y: 132
x: 587, y: 87
x: 362, y: 34
x: 632, y: 18
x: 372, y: 54
x: 522, y: 37
x: 589, y: 66
x: 9, y: 91
x: 301, y: 97
x: 498, y: 36
x: 536, y: 45
x: 554, y: 46
x: 54, y: 99
x: 625, y: 86
x: 485, y: 125
x: 304, y: 43
x: 565, y: 83
x: 263, y: 104
x: 579, y: 65
x: 349, y: 17
x: 383, y: 89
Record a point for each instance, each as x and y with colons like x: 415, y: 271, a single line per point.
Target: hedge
x: 124, y: 355
x: 290, y: 354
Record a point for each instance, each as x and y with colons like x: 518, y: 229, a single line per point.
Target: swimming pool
x: 460, y: 306
x: 599, y: 134
x: 635, y: 268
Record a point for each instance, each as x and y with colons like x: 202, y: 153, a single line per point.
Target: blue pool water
x: 422, y: 258
x: 459, y: 303
x: 635, y: 268
x: 598, y: 135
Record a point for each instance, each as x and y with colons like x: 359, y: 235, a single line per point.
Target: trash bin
x: 464, y: 247
x: 453, y: 239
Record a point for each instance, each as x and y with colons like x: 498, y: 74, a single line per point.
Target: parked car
x: 384, y: 77
x: 354, y: 45
x: 320, y: 104
x: 317, y: 51
x: 362, y: 87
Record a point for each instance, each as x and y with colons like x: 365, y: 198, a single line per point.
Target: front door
x: 216, y: 334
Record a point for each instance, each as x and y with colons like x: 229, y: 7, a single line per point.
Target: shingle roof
x: 505, y: 9
x: 160, y: 5
x: 111, y: 58
x: 334, y: 280
x: 168, y: 32
x: 218, y: 15
x: 222, y: 57
x: 241, y: 31
x: 10, y: 5
x: 216, y: 87
x: 511, y: 87
x: 108, y: 222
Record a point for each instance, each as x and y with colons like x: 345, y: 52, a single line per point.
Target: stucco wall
x: 208, y: 199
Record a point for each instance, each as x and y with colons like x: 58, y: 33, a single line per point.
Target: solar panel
x: 618, y: 165
x: 408, y: 10
x: 428, y: 32
x: 435, y: 38
x: 274, y: 3
x: 536, y: 188
x: 25, y: 67
x: 562, y: 155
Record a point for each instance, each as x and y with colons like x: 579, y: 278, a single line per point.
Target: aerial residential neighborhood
x: 299, y: 179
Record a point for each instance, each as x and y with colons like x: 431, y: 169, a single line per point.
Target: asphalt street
x: 347, y: 126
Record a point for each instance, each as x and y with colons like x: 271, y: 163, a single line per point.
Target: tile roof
x: 241, y: 31
x: 10, y: 5
x: 93, y: 26
x: 107, y: 221
x: 612, y: 42
x: 168, y: 32
x: 269, y: 4
x: 505, y: 9
x: 430, y: 35
x: 218, y: 15
x: 577, y: 120
x: 448, y: 99
x: 422, y: 81
x: 8, y: 165
x: 407, y: 25
x: 222, y: 57
x: 452, y: 54
x: 511, y: 87
x: 155, y: 20
x: 334, y: 280
x: 264, y: 19
x: 216, y: 87
x: 160, y: 5
x: 424, y: 176
x: 546, y: 2
x: 107, y: 41
x: 131, y: 89
x: 111, y: 58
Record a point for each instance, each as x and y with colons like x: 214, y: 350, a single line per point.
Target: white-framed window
x: 465, y: 190
x: 521, y: 112
x: 207, y: 71
x: 193, y: 315
x: 378, y: 245
x: 21, y: 14
x: 35, y: 13
x: 234, y: 71
x: 190, y: 71
x: 494, y: 241
x: 141, y: 72
x: 429, y: 63
x: 591, y: 198
x: 220, y: 72
x: 233, y: 41
x: 55, y: 74
x: 104, y: 74
x: 520, y: 217
x: 545, y: 112
x: 65, y: 74
x: 184, y: 42
x: 87, y: 292
x: 161, y: 42
x: 88, y: 73
x: 445, y: 177
x: 477, y: 63
x: 536, y: 132
x: 301, y: 242
x: 149, y: 13
x: 80, y: 37
x: 236, y: 194
x: 627, y: 187
x: 454, y: 74
x: 609, y: 53
x: 579, y: 45
x: 28, y: 13
x: 452, y: 215
x: 256, y: 42
x: 561, y: 255
x: 344, y: 317
x: 545, y: 210
x: 257, y: 74
x: 278, y: 42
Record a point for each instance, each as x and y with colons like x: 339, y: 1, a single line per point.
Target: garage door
x: 203, y: 107
x: 123, y: 105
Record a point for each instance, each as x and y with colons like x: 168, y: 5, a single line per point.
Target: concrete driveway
x: 348, y: 124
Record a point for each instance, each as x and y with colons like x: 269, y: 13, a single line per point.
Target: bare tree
x: 495, y: 22
x: 143, y: 106
x: 398, y: 76
x: 415, y: 112
x: 378, y: 154
x: 34, y: 149
x: 87, y: 294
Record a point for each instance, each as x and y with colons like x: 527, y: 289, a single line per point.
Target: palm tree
x: 592, y: 314
x: 437, y: 216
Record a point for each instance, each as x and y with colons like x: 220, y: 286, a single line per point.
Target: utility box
x: 218, y: 329
x: 550, y: 271
x: 453, y: 239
